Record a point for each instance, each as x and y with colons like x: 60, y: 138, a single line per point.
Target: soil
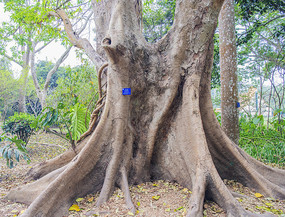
x: 157, y: 199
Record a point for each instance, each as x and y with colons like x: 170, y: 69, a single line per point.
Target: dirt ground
x: 152, y: 199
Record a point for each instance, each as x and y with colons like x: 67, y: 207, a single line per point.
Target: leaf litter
x: 152, y: 199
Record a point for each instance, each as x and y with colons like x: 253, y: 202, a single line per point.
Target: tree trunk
x: 228, y: 65
x: 24, y: 76
x: 42, y: 92
x: 166, y: 128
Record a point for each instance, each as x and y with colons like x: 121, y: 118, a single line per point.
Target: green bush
x: 267, y: 145
x: 21, y: 125
x: 13, y: 149
x: 73, y: 119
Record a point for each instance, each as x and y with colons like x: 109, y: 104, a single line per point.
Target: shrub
x: 21, y: 125
x: 267, y: 145
x: 13, y: 149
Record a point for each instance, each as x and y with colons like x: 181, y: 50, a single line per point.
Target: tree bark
x: 228, y: 65
x: 24, y: 78
x: 166, y: 128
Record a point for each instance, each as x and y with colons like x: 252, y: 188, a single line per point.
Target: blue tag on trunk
x: 126, y: 91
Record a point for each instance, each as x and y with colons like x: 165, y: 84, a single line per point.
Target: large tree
x: 166, y: 128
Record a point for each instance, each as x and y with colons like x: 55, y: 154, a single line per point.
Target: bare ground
x: 157, y: 199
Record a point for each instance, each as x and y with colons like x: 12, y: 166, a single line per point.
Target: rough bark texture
x: 228, y: 65
x: 165, y: 130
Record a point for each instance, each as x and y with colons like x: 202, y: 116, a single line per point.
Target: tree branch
x: 56, y: 66
x: 42, y: 47
x: 11, y: 59
x: 33, y: 71
x: 74, y: 38
x: 263, y: 24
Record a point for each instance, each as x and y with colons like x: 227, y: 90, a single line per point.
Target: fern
x: 77, y: 121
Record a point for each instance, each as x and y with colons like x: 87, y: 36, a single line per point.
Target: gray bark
x: 228, y: 65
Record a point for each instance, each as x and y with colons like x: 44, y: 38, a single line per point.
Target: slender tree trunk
x: 166, y: 128
x: 260, y: 95
x: 228, y: 65
x: 42, y: 92
x: 23, y: 79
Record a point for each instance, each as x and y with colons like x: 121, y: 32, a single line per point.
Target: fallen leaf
x: 138, y: 203
x: 167, y: 210
x: 130, y: 213
x: 90, y: 199
x: 258, y: 195
x: 79, y: 199
x: 181, y: 207
x: 156, y: 197
x: 74, y: 207
x: 268, y: 204
x: 14, y: 211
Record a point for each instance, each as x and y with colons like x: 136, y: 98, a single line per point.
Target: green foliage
x: 250, y: 8
x: 8, y: 92
x: 14, y: 149
x: 78, y: 122
x: 74, y: 120
x: 78, y: 84
x: 42, y: 70
x: 264, y: 144
x: 21, y: 125
x: 158, y: 18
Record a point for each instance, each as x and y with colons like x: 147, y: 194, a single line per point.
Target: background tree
x: 228, y: 67
x: 166, y: 128
x: 28, y: 27
x: 8, y: 92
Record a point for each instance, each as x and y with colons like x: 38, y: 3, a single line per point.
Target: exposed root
x: 125, y: 188
x: 46, y: 167
x: 112, y: 169
x: 28, y: 193
x: 197, y: 198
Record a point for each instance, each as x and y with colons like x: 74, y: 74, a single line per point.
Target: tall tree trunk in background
x: 24, y: 78
x: 42, y: 92
x: 166, y: 129
x: 260, y: 95
x: 228, y: 65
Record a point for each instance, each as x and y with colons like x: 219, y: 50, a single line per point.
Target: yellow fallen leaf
x: 156, y: 197
x: 258, y: 195
x: 130, y: 213
x: 185, y: 189
x: 138, y: 203
x: 22, y: 211
x: 15, y: 215
x: 90, y: 199
x: 167, y: 210
x: 14, y: 211
x: 74, y: 207
x: 79, y: 199
x: 155, y: 185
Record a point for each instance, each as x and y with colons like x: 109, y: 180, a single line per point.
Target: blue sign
x: 238, y: 104
x: 126, y: 91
